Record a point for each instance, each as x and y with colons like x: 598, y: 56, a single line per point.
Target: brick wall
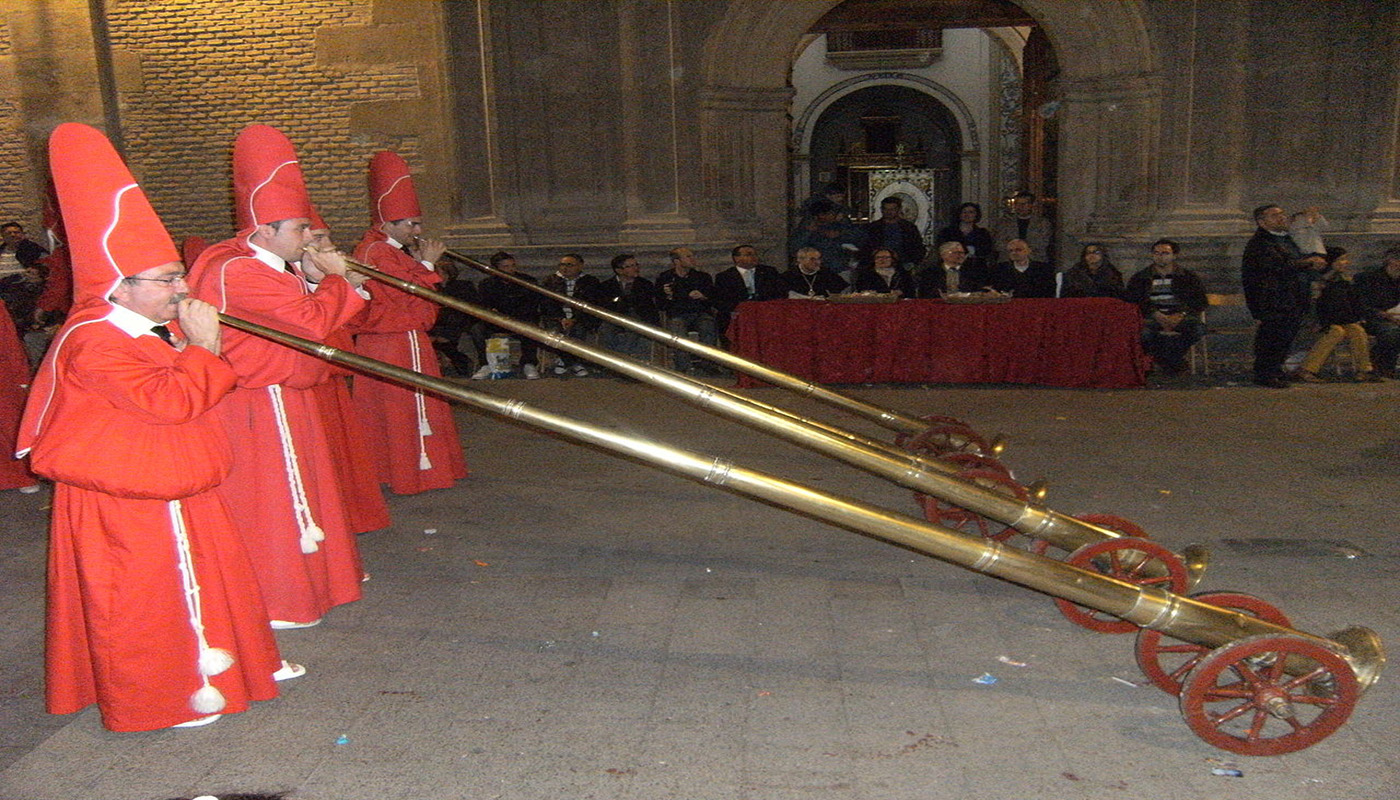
x: 16, y: 200
x: 199, y: 72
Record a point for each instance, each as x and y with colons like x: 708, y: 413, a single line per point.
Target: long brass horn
x: 929, y: 477
x: 887, y: 418
x: 1329, y: 671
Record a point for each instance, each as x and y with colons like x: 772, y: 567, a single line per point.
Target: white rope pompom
x: 208, y: 700
x: 214, y: 660
x: 423, y: 462
x: 308, y: 543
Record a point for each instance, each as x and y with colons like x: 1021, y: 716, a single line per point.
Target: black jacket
x: 1190, y: 293
x: 1275, y: 282
x: 730, y: 290
x: 1037, y: 281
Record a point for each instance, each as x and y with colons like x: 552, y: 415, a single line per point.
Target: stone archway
x: 1109, y: 81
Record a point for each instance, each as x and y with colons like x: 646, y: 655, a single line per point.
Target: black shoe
x: 1271, y: 383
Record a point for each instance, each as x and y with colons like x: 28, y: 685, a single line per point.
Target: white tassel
x: 308, y: 544
x: 208, y: 700
x: 214, y: 660
x: 424, y: 429
x: 317, y: 535
x: 423, y: 462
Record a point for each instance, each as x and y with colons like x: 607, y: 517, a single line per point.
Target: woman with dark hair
x: 883, y: 274
x: 1093, y: 275
x: 974, y: 237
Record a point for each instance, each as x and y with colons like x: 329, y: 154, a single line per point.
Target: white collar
x: 130, y: 322
x: 269, y: 258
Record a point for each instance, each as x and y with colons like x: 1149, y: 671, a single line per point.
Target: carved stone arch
x: 1109, y: 84
x: 967, y: 126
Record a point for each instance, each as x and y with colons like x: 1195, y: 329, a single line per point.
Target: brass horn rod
x: 905, y: 469
x: 1174, y: 615
x: 887, y: 418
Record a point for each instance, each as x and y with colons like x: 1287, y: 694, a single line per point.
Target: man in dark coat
x: 746, y: 280
x: 1277, y: 285
x: 894, y: 232
x: 1020, y: 275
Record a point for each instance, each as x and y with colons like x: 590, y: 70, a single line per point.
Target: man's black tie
x: 164, y: 333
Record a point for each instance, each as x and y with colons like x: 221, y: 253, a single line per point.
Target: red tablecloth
x: 1092, y: 342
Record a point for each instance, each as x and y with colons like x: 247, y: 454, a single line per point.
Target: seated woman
x: 1093, y: 275
x: 975, y: 238
x: 884, y: 275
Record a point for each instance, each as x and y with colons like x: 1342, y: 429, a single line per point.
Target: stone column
x: 744, y: 160
x: 1109, y: 151
x: 477, y: 218
x: 651, y: 120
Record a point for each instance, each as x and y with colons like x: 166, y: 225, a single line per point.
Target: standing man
x: 282, y: 490
x: 1277, y: 289
x: 21, y: 274
x: 807, y: 279
x: 893, y: 232
x: 153, y: 610
x: 628, y: 294
x: 1379, y: 289
x: 685, y: 297
x: 1171, y: 300
x: 1025, y: 222
x: 746, y: 280
x: 1020, y: 275
x: 356, y: 472
x: 418, y: 448
x: 571, y: 281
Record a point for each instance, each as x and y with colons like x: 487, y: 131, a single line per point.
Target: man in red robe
x: 282, y: 490
x: 421, y: 449
x: 153, y: 611
x: 14, y: 384
x: 360, y: 492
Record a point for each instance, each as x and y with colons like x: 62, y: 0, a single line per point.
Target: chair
x: 1229, y: 308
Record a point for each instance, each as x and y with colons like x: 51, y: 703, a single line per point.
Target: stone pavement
x: 568, y: 625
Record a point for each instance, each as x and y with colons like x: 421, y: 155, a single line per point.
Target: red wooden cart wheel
x: 1126, y: 559
x: 1241, y: 699
x: 944, y: 513
x: 940, y: 439
x: 977, y: 461
x: 1114, y: 523
x: 1167, y: 664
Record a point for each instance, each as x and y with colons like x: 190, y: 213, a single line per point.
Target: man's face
x: 506, y: 265
x: 1392, y: 267
x: 570, y: 267
x: 685, y: 260
x: 809, y: 262
x: 1163, y: 257
x: 889, y: 212
x: 285, y: 239
x: 955, y: 255
x: 13, y: 234
x: 154, y: 293
x: 968, y: 215
x: 405, y: 231
x: 747, y: 258
x: 1274, y: 219
x: 1019, y: 251
x: 629, y: 269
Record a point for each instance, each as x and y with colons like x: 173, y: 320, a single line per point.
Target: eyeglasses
x: 168, y: 281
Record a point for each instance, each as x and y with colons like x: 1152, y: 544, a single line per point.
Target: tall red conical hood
x: 391, y: 193
x: 317, y: 222
x: 267, y: 180
x: 112, y: 230
x: 113, y: 233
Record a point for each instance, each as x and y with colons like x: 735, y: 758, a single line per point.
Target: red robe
x: 121, y: 425
x: 283, y: 491
x: 14, y: 381
x: 356, y: 471
x: 421, y: 449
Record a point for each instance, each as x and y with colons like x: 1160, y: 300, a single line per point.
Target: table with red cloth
x: 1079, y: 342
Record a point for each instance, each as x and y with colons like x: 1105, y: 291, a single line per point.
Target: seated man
x: 571, y: 281
x: 629, y: 294
x: 1022, y: 277
x: 953, y: 273
x: 1171, y: 299
x: 808, y: 279
x: 746, y: 280
x: 686, y: 292
x: 499, y: 294
x: 1379, y: 289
